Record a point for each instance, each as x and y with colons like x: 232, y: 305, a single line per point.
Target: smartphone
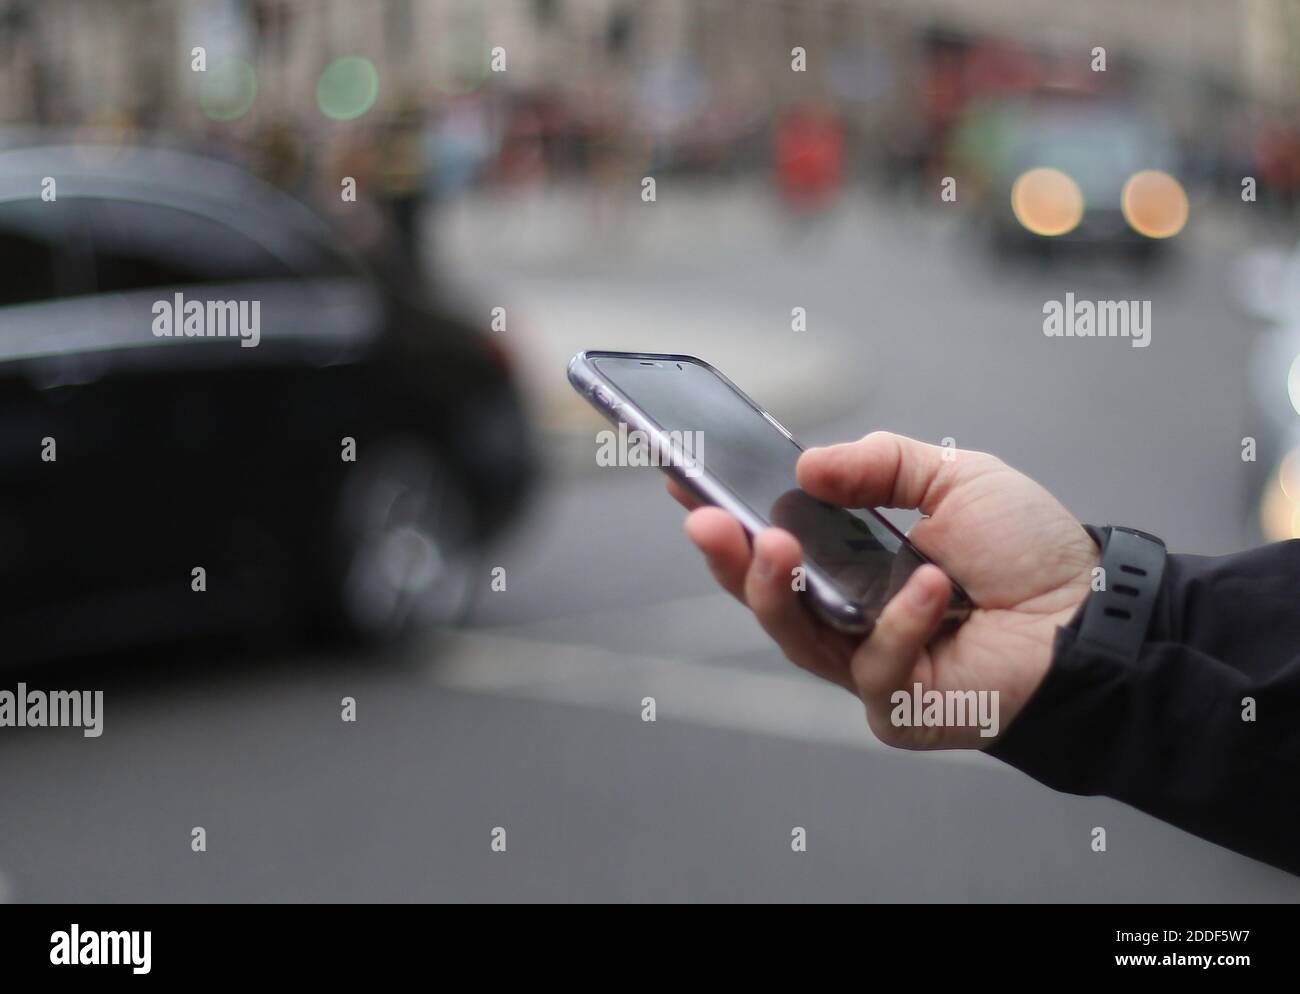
x: 726, y: 450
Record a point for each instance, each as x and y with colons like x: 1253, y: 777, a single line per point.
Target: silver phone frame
x: 827, y: 600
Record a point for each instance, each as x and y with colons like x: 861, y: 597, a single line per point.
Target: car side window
x: 140, y: 246
x: 35, y: 252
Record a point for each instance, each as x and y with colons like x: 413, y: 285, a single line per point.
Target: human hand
x: 1023, y: 558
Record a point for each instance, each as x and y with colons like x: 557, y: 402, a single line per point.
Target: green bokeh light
x: 228, y: 90
x: 347, y: 88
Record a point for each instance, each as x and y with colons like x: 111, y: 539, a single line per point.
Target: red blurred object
x: 809, y: 156
x: 1277, y: 154
x: 997, y: 67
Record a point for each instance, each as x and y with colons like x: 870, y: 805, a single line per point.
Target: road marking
x: 699, y: 627
x: 716, y: 696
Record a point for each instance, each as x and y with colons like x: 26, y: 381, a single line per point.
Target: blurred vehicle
x: 131, y: 461
x: 1079, y: 170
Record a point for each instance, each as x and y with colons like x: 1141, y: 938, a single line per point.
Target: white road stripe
x: 793, y: 707
x: 700, y: 627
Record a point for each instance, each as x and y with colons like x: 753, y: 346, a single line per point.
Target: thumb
x: 880, y: 470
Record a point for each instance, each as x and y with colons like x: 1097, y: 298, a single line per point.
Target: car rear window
x: 32, y: 235
x: 140, y: 246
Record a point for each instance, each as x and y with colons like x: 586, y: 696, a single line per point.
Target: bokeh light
x: 1289, y: 475
x: 1047, y: 202
x: 1293, y: 384
x: 347, y: 88
x: 227, y: 91
x: 1279, y: 512
x: 1154, y: 204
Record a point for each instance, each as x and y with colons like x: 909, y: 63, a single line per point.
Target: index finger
x: 680, y: 494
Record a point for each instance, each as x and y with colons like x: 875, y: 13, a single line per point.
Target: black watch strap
x: 1117, y: 619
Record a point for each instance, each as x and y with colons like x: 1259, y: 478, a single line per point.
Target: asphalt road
x: 531, y: 720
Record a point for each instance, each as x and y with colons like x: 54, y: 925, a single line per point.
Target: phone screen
x: 857, y: 551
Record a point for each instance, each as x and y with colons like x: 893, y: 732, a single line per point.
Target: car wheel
x: 405, y: 548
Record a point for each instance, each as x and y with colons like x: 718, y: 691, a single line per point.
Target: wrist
x: 1076, y: 648
x: 1116, y: 616
x: 1071, y: 601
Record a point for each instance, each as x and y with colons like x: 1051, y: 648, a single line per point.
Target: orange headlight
x: 1154, y: 204
x: 1047, y: 201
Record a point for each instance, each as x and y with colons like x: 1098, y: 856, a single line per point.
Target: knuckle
x: 983, y: 461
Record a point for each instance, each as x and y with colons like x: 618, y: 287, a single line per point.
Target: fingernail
x: 763, y: 564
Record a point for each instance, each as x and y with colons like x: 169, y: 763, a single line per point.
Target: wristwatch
x: 1116, y: 618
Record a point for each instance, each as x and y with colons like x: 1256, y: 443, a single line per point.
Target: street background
x: 529, y: 717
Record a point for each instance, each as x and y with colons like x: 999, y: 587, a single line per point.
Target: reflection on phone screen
x: 868, y: 567
x: 755, y: 461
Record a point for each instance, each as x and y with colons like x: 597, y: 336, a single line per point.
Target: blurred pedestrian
x: 809, y: 156
x: 402, y: 185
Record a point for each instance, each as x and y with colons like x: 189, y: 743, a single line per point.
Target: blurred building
x: 605, y: 89
x: 1247, y: 45
x: 63, y: 60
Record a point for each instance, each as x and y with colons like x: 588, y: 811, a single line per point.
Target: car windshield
x: 1087, y: 146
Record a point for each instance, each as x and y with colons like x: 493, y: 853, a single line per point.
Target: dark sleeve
x: 1166, y: 733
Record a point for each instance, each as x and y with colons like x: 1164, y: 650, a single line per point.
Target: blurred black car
x: 156, y: 487
x: 1067, y: 169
